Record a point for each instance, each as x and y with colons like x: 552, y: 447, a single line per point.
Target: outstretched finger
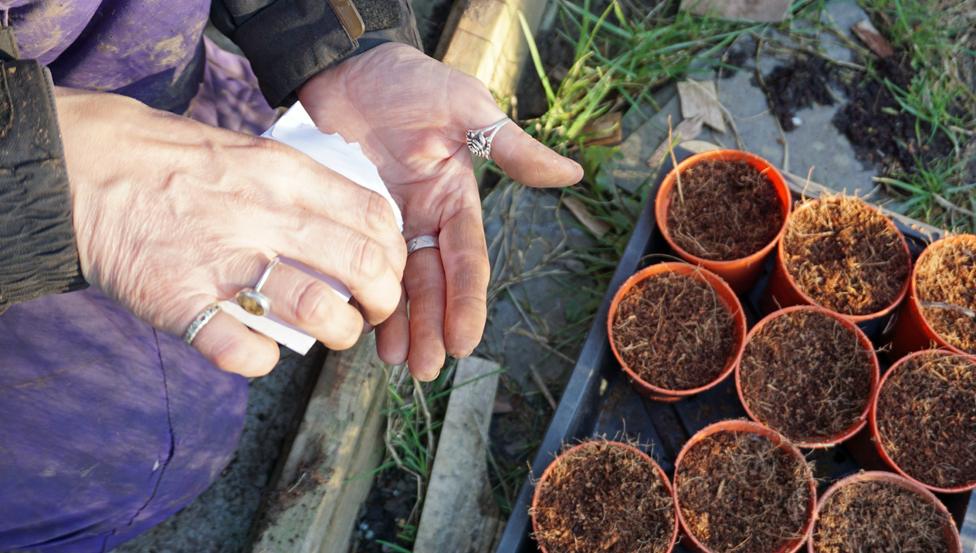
x: 393, y: 335
x: 527, y: 161
x: 522, y: 157
x: 465, y: 257
x: 423, y: 281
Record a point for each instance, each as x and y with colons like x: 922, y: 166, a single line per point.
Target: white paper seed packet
x: 296, y: 129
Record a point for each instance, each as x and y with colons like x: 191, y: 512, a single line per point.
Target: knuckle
x: 401, y: 252
x: 312, y: 303
x: 379, y: 216
x: 367, y: 259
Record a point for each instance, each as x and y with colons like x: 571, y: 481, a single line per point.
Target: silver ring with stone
x: 421, y: 242
x: 479, y: 140
x: 200, y: 321
x: 251, y: 299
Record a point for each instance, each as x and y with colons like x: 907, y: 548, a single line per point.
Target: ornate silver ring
x: 200, y: 321
x: 479, y: 140
x: 251, y: 299
x: 421, y: 242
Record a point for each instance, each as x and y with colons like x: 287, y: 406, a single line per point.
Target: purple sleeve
x: 149, y: 50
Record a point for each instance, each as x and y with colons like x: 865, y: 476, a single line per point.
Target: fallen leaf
x: 688, y: 129
x: 594, y: 225
x: 604, y: 130
x: 699, y: 98
x: 870, y: 36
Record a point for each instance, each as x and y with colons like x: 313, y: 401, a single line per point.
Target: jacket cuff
x: 286, y: 49
x: 37, y: 239
x: 289, y: 42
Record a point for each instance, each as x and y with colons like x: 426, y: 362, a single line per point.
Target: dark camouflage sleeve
x: 38, y: 255
x: 289, y: 41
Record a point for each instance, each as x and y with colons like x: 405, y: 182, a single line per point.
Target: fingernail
x: 429, y: 376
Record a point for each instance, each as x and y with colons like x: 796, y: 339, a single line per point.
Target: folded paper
x: 296, y: 129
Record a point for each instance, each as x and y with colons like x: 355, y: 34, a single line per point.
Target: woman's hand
x: 171, y: 215
x: 410, y: 114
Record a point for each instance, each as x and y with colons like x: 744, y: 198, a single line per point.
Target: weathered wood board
x: 484, y: 39
x: 327, y: 473
x: 460, y: 514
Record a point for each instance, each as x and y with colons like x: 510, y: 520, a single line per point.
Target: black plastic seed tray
x: 599, y: 401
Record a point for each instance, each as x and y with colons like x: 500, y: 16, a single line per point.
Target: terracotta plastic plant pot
x: 727, y: 297
x: 740, y: 273
x: 784, y: 290
x: 861, y: 338
x: 912, y: 332
x: 950, y: 531
x: 778, y: 439
x: 876, y: 435
x: 546, y: 474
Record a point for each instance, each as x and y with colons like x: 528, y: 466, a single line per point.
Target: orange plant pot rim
x: 738, y: 425
x: 725, y: 293
x: 862, y: 339
x: 876, y: 434
x: 647, y: 458
x: 882, y: 476
x: 662, y: 204
x: 781, y: 261
x: 913, y: 293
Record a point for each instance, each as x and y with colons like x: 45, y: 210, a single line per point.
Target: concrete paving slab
x: 529, y: 233
x: 815, y: 142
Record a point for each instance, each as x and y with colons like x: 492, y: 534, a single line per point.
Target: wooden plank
x: 484, y: 39
x: 460, y: 514
x: 327, y: 472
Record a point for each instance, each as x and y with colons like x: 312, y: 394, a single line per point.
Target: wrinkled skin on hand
x: 410, y: 113
x: 171, y: 215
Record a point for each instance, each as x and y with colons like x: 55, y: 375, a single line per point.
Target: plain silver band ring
x: 421, y: 242
x: 479, y: 140
x: 200, y: 321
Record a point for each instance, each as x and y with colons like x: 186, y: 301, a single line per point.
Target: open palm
x: 409, y: 112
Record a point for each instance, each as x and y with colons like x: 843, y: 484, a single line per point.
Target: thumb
x: 522, y: 157
x: 529, y: 162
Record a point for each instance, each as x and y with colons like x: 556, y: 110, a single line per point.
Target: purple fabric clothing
x: 150, y: 50
x: 229, y: 97
x: 106, y: 426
